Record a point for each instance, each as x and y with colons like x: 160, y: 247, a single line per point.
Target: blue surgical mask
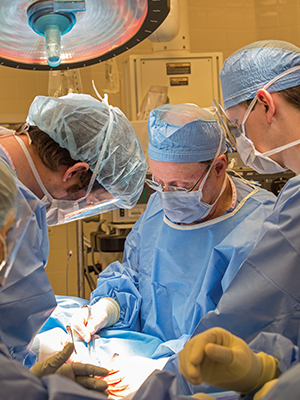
x: 188, y: 207
x: 261, y: 162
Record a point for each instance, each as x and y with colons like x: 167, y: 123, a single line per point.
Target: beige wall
x: 215, y: 26
x: 63, y: 274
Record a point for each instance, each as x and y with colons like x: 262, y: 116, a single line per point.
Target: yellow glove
x: 221, y: 359
x: 84, y: 374
x: 265, y: 389
x: 202, y: 396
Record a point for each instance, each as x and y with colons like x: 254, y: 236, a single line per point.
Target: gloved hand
x: 49, y: 343
x: 221, y: 359
x: 83, y: 374
x: 90, y: 319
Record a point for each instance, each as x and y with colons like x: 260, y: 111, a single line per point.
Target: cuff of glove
x: 112, y: 308
x: 35, y: 347
x: 269, y: 370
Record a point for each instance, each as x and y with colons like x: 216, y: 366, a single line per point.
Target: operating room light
x: 46, y: 21
x: 64, y: 34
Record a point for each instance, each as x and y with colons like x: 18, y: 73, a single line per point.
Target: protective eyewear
x: 231, y: 129
x: 98, y: 201
x: 165, y: 188
x: 83, y: 204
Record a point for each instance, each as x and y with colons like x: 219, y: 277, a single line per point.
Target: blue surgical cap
x: 8, y: 193
x: 183, y: 133
x: 252, y: 67
x: 79, y: 123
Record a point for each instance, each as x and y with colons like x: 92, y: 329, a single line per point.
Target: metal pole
x: 80, y: 275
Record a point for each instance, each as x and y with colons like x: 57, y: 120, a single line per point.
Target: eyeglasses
x: 160, y: 188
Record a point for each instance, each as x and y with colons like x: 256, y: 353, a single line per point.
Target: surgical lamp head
x: 48, y: 20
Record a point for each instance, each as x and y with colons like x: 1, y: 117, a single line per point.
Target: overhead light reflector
x: 79, y: 34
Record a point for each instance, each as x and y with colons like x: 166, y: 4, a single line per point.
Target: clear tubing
x: 53, y: 48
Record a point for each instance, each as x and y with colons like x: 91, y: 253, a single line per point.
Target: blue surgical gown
x: 287, y: 387
x: 264, y: 295
x: 27, y: 299
x: 172, y: 275
x: 17, y: 382
x: 162, y: 385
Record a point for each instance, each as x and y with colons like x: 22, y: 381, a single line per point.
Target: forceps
x: 71, y: 336
x: 91, y: 343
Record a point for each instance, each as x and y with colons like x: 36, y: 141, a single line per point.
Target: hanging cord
x: 252, y: 182
x: 97, y: 271
x: 103, y: 99
x: 69, y: 255
x: 89, y: 279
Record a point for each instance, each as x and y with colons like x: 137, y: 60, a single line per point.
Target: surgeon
x: 77, y: 156
x: 44, y: 380
x: 185, y: 249
x: 261, y: 86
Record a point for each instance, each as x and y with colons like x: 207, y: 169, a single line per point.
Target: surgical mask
x: 261, y: 162
x: 94, y: 200
x: 188, y: 207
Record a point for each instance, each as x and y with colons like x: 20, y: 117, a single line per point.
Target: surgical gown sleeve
x: 122, y: 281
x: 160, y: 385
x: 17, y: 382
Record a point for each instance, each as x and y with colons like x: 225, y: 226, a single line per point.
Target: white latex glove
x: 221, y: 359
x: 90, y: 319
x: 49, y: 343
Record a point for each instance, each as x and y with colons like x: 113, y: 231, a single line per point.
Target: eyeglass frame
x: 158, y: 187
